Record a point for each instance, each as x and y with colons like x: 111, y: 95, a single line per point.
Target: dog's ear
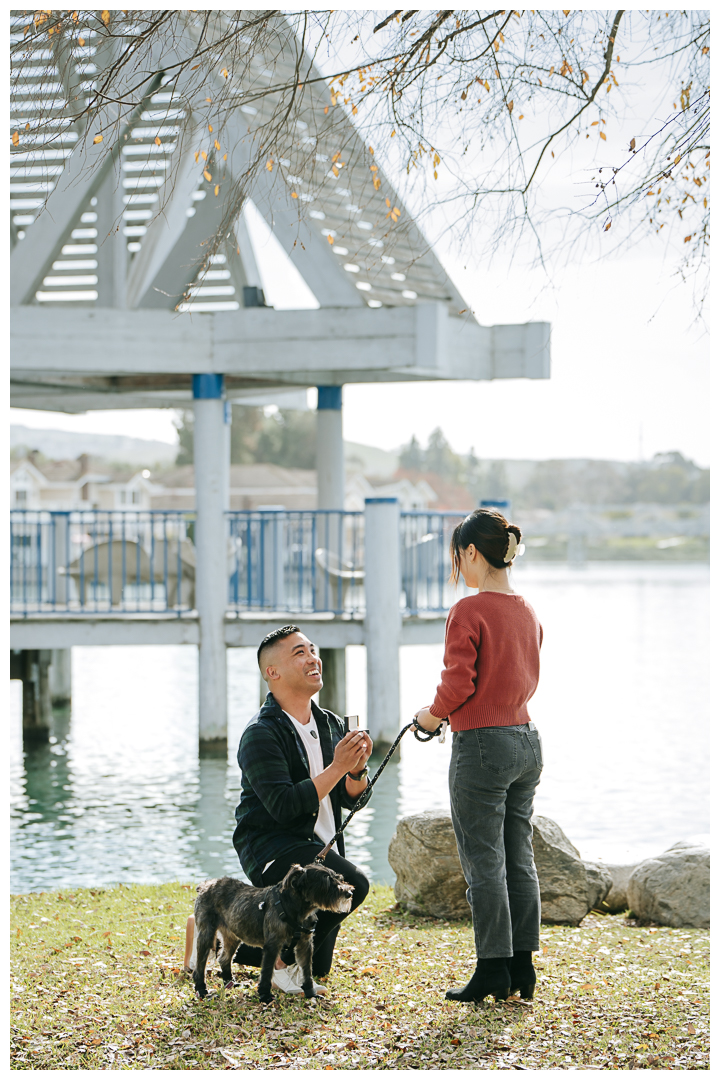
x: 294, y: 876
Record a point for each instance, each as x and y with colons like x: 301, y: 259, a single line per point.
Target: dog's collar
x: 298, y: 929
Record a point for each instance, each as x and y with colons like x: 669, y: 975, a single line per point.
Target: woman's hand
x: 424, y: 719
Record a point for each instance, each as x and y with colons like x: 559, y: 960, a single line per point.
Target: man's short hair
x: 272, y: 638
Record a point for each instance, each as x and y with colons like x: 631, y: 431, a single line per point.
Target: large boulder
x: 616, y: 900
x: 423, y: 854
x: 673, y: 889
x: 569, y: 886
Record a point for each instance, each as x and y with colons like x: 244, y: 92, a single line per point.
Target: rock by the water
x: 569, y: 886
x: 616, y: 900
x: 423, y: 854
x: 673, y: 889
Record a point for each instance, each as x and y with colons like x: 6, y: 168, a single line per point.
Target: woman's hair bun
x: 493, y: 536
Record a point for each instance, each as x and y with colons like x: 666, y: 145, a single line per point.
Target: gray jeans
x: 493, y: 775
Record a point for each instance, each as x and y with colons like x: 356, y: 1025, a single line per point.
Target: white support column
x: 330, y: 464
x: 211, y: 586
x: 60, y: 677
x: 383, y: 620
x: 330, y: 453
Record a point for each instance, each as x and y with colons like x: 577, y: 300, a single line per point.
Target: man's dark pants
x: 328, y: 922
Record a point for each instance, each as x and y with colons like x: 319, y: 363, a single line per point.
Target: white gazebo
x: 98, y: 318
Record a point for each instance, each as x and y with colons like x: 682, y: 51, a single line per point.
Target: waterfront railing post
x: 211, y: 589
x: 330, y: 463
x: 383, y: 618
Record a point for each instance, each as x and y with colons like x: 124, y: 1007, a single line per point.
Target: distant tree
x: 412, y: 456
x: 184, y: 423
x: 441, y: 459
x: 281, y: 438
x: 287, y: 438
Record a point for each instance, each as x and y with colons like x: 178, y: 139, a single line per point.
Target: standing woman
x: 492, y: 664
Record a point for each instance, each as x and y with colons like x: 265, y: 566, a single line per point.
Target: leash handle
x: 363, y: 798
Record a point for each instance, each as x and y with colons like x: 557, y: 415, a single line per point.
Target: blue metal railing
x: 95, y: 561
x: 128, y: 561
x: 425, y: 560
x: 297, y: 560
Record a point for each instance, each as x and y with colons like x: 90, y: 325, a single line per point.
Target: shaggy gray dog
x: 283, y: 914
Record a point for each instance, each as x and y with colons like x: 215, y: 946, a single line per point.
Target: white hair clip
x: 512, y: 548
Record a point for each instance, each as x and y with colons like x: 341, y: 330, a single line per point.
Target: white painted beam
x: 245, y: 631
x: 66, y: 632
x: 320, y: 347
x: 165, y: 230
x: 82, y: 175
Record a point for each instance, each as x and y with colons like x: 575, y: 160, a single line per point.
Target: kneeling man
x: 299, y: 770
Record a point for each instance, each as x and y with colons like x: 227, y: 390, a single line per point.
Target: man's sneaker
x: 282, y: 980
x: 296, y: 976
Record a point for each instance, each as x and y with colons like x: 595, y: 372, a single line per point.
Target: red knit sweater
x: 492, y: 661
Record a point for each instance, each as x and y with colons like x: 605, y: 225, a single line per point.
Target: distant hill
x: 61, y: 445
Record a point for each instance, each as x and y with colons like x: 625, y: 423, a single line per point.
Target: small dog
x: 283, y: 914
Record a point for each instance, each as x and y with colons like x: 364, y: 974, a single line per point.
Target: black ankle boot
x: 490, y: 977
x: 522, y: 975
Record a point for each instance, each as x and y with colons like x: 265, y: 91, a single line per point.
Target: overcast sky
x: 630, y: 366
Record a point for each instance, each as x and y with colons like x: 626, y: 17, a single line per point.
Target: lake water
x: 120, y: 795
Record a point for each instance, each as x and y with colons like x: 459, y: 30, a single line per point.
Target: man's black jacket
x: 279, y: 803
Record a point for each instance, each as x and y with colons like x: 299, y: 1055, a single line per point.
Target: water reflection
x: 120, y: 795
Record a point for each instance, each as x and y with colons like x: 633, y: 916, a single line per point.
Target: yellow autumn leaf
x: 224, y: 157
x: 97, y: 139
x: 336, y: 171
x: 157, y: 141
x: 217, y: 145
x: 331, y: 239
x: 603, y: 135
x: 608, y: 226
x: 203, y: 155
x: 326, y: 110
x: 376, y: 182
x: 510, y: 106
x: 676, y: 160
x: 370, y: 149
x: 293, y: 195
x: 387, y: 202
x: 210, y: 127
x: 105, y: 16
x: 335, y: 156
x: 217, y: 189
x: 15, y: 138
x: 269, y: 165
x: 207, y: 175
x: 197, y: 155
x: 225, y: 72
x: 566, y: 12
x: 81, y: 41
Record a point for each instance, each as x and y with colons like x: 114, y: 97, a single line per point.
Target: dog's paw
x: 309, y: 991
x: 266, y: 998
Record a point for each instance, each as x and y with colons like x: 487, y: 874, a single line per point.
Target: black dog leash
x: 362, y: 800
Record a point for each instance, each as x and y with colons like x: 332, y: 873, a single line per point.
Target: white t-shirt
x: 325, y: 824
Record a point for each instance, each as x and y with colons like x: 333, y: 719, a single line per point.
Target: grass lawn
x: 96, y: 984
